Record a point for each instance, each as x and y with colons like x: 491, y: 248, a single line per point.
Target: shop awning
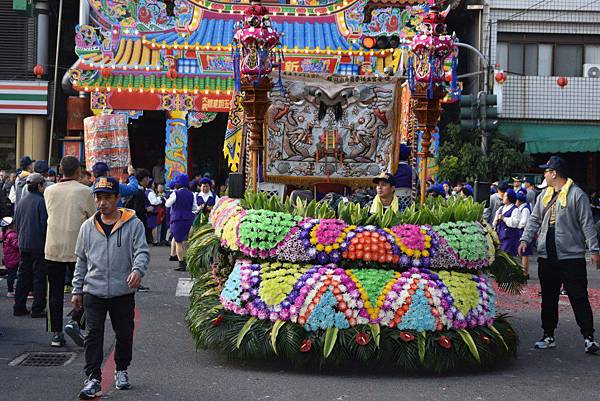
x: 554, y: 138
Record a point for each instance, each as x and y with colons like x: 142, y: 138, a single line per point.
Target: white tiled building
x: 536, y: 42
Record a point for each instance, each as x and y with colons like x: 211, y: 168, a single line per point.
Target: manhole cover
x: 43, y: 359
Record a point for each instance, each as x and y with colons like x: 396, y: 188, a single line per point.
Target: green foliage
x: 461, y: 157
x: 508, y: 274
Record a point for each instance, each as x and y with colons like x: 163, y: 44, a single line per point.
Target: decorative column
x: 430, y: 51
x: 256, y: 102
x: 176, y: 145
x: 254, y: 41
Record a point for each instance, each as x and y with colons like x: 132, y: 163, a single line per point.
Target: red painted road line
x: 108, y: 370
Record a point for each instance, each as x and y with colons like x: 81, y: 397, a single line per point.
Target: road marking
x: 184, y: 287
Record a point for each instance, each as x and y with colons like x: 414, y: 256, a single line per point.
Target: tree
x: 461, y: 158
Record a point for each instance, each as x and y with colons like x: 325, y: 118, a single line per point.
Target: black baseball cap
x: 107, y: 185
x: 100, y: 169
x: 41, y: 166
x: 555, y: 163
x: 385, y: 177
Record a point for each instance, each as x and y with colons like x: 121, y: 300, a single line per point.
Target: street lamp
x: 254, y: 57
x: 428, y: 52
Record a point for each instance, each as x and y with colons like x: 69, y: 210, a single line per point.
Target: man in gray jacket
x: 112, y: 257
x: 562, y: 218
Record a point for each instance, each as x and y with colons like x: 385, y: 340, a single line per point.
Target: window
x: 592, y: 54
x: 546, y: 55
x: 568, y: 60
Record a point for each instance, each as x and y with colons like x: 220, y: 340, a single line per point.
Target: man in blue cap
x: 495, y: 202
x: 386, y: 197
x: 101, y: 169
x: 106, y: 282
x: 16, y: 192
x: 531, y: 192
x: 562, y: 220
x: 404, y: 178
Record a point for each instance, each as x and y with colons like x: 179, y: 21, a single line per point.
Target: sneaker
x: 10, y: 294
x: 591, y: 346
x: 563, y: 292
x: 30, y: 295
x: 545, y: 343
x: 141, y: 288
x: 122, y: 380
x: 173, y: 259
x: 90, y: 390
x: 72, y: 329
x: 58, y: 340
x: 182, y: 267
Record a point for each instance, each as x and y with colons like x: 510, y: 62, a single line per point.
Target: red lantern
x: 172, y: 73
x: 501, y: 77
x: 39, y: 70
x: 306, y: 345
x: 105, y: 72
x: 406, y: 336
x: 562, y: 82
x: 362, y: 338
x: 445, y: 342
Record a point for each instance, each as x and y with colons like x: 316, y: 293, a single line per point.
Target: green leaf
x: 466, y: 337
x: 330, y: 338
x: 421, y: 343
x: 274, y: 331
x: 243, y: 331
x: 376, y: 332
x: 499, y: 336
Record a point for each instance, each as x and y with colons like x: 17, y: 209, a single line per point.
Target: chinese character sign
x: 107, y: 140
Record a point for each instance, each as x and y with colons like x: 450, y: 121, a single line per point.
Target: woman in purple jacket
x: 182, y: 203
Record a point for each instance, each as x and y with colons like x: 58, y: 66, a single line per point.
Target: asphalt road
x: 167, y: 367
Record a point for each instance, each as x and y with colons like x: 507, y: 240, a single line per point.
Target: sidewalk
x: 167, y: 367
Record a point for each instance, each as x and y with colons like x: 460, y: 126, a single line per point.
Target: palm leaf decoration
x: 331, y: 336
x: 466, y: 337
x: 244, y: 330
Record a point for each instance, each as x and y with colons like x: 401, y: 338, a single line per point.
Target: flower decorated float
x: 320, y: 287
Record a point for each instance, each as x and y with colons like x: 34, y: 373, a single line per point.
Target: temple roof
x: 296, y: 34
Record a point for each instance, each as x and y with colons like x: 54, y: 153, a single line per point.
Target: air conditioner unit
x: 591, y: 70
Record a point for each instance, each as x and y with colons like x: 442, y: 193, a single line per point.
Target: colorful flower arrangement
x: 410, y: 293
x: 416, y: 299
x: 282, y: 236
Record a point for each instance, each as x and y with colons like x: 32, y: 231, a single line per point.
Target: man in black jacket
x: 31, y: 220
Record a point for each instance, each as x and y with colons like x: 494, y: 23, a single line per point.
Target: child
x: 10, y: 248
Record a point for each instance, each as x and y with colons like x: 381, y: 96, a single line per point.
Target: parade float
x: 397, y: 291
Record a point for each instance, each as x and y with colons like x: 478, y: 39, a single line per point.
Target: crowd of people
x: 88, y: 234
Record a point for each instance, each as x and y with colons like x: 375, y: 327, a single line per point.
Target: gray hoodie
x: 104, y: 263
x: 574, y: 226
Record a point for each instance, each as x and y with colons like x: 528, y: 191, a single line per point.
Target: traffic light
x: 381, y: 42
x: 468, y: 113
x: 488, y: 111
x: 479, y: 112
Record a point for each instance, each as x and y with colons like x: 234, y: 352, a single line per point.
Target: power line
x: 525, y: 11
x: 570, y: 11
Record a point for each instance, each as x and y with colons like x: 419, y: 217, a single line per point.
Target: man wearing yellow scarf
x: 562, y: 219
x: 385, y: 197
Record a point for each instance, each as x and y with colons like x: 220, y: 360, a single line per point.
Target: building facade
x: 535, y: 43
x: 23, y: 95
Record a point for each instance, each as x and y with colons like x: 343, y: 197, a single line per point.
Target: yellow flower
x: 336, y: 246
x: 417, y: 254
x: 409, y: 252
x: 425, y: 253
x: 313, y: 241
x: 428, y: 238
x: 328, y: 248
x: 320, y: 247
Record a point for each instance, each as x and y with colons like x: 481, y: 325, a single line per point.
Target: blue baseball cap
x: 107, y: 185
x: 205, y: 180
x: 100, y: 169
x: 41, y: 166
x: 555, y: 163
x: 512, y: 195
x: 25, y: 162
